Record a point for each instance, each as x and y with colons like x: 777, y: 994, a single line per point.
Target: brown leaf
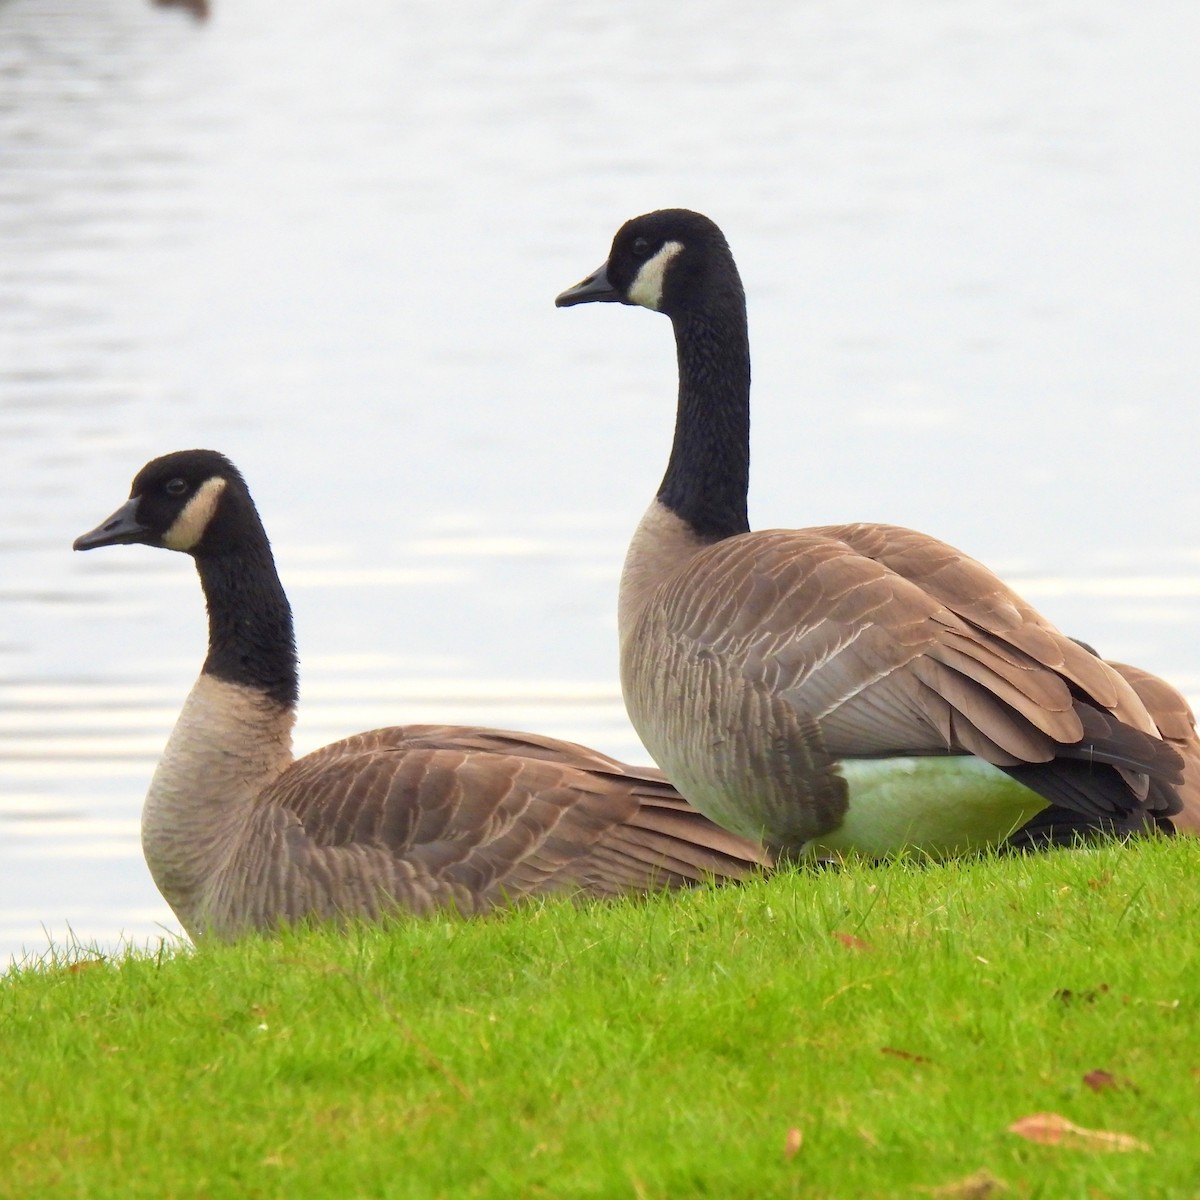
x: 792, y: 1143
x: 85, y: 964
x: 851, y: 942
x: 980, y: 1185
x: 1051, y: 1129
x: 908, y: 1054
x: 1103, y: 1081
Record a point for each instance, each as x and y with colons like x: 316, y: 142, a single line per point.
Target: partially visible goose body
x: 852, y: 687
x: 1176, y: 723
x: 239, y: 836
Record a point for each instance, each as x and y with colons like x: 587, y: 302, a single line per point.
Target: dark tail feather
x: 1060, y: 826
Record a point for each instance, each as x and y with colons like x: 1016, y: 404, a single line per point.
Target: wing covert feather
x: 476, y: 817
x: 894, y: 644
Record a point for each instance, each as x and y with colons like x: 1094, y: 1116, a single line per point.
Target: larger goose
x: 240, y: 836
x: 851, y: 687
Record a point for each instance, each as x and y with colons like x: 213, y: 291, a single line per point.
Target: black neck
x: 250, y: 640
x: 708, y: 474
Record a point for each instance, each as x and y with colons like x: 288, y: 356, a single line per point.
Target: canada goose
x: 846, y: 688
x: 239, y: 835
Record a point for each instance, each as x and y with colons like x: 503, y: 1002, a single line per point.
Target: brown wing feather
x: 510, y: 741
x: 428, y: 816
x: 847, y: 640
x: 895, y: 644
x: 972, y: 592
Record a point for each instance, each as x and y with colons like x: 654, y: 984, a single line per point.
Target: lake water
x: 326, y: 241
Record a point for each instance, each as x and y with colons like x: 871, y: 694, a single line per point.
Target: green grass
x: 661, y: 1049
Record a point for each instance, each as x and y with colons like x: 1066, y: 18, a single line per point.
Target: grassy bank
x: 856, y: 1033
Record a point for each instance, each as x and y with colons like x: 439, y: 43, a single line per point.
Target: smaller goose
x: 240, y: 836
x: 852, y: 687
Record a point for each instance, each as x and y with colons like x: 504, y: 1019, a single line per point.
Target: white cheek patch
x: 647, y: 287
x: 188, y: 528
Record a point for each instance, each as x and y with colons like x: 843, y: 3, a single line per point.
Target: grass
x: 899, y: 1018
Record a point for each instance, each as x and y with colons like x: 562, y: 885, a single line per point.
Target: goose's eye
x: 175, y: 487
x: 640, y: 247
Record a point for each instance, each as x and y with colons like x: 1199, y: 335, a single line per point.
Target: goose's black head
x: 672, y: 261
x: 193, y: 500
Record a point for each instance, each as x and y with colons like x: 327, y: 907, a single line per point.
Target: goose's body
x: 239, y: 835
x: 844, y: 688
x: 1176, y: 724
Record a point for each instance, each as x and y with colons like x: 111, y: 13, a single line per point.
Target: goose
x: 846, y: 689
x: 240, y: 836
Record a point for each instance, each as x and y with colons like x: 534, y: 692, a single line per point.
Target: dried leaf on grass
x: 85, y: 964
x: 851, y: 942
x: 792, y: 1143
x: 1104, y: 1081
x: 980, y: 1185
x: 1051, y: 1129
x: 905, y: 1054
